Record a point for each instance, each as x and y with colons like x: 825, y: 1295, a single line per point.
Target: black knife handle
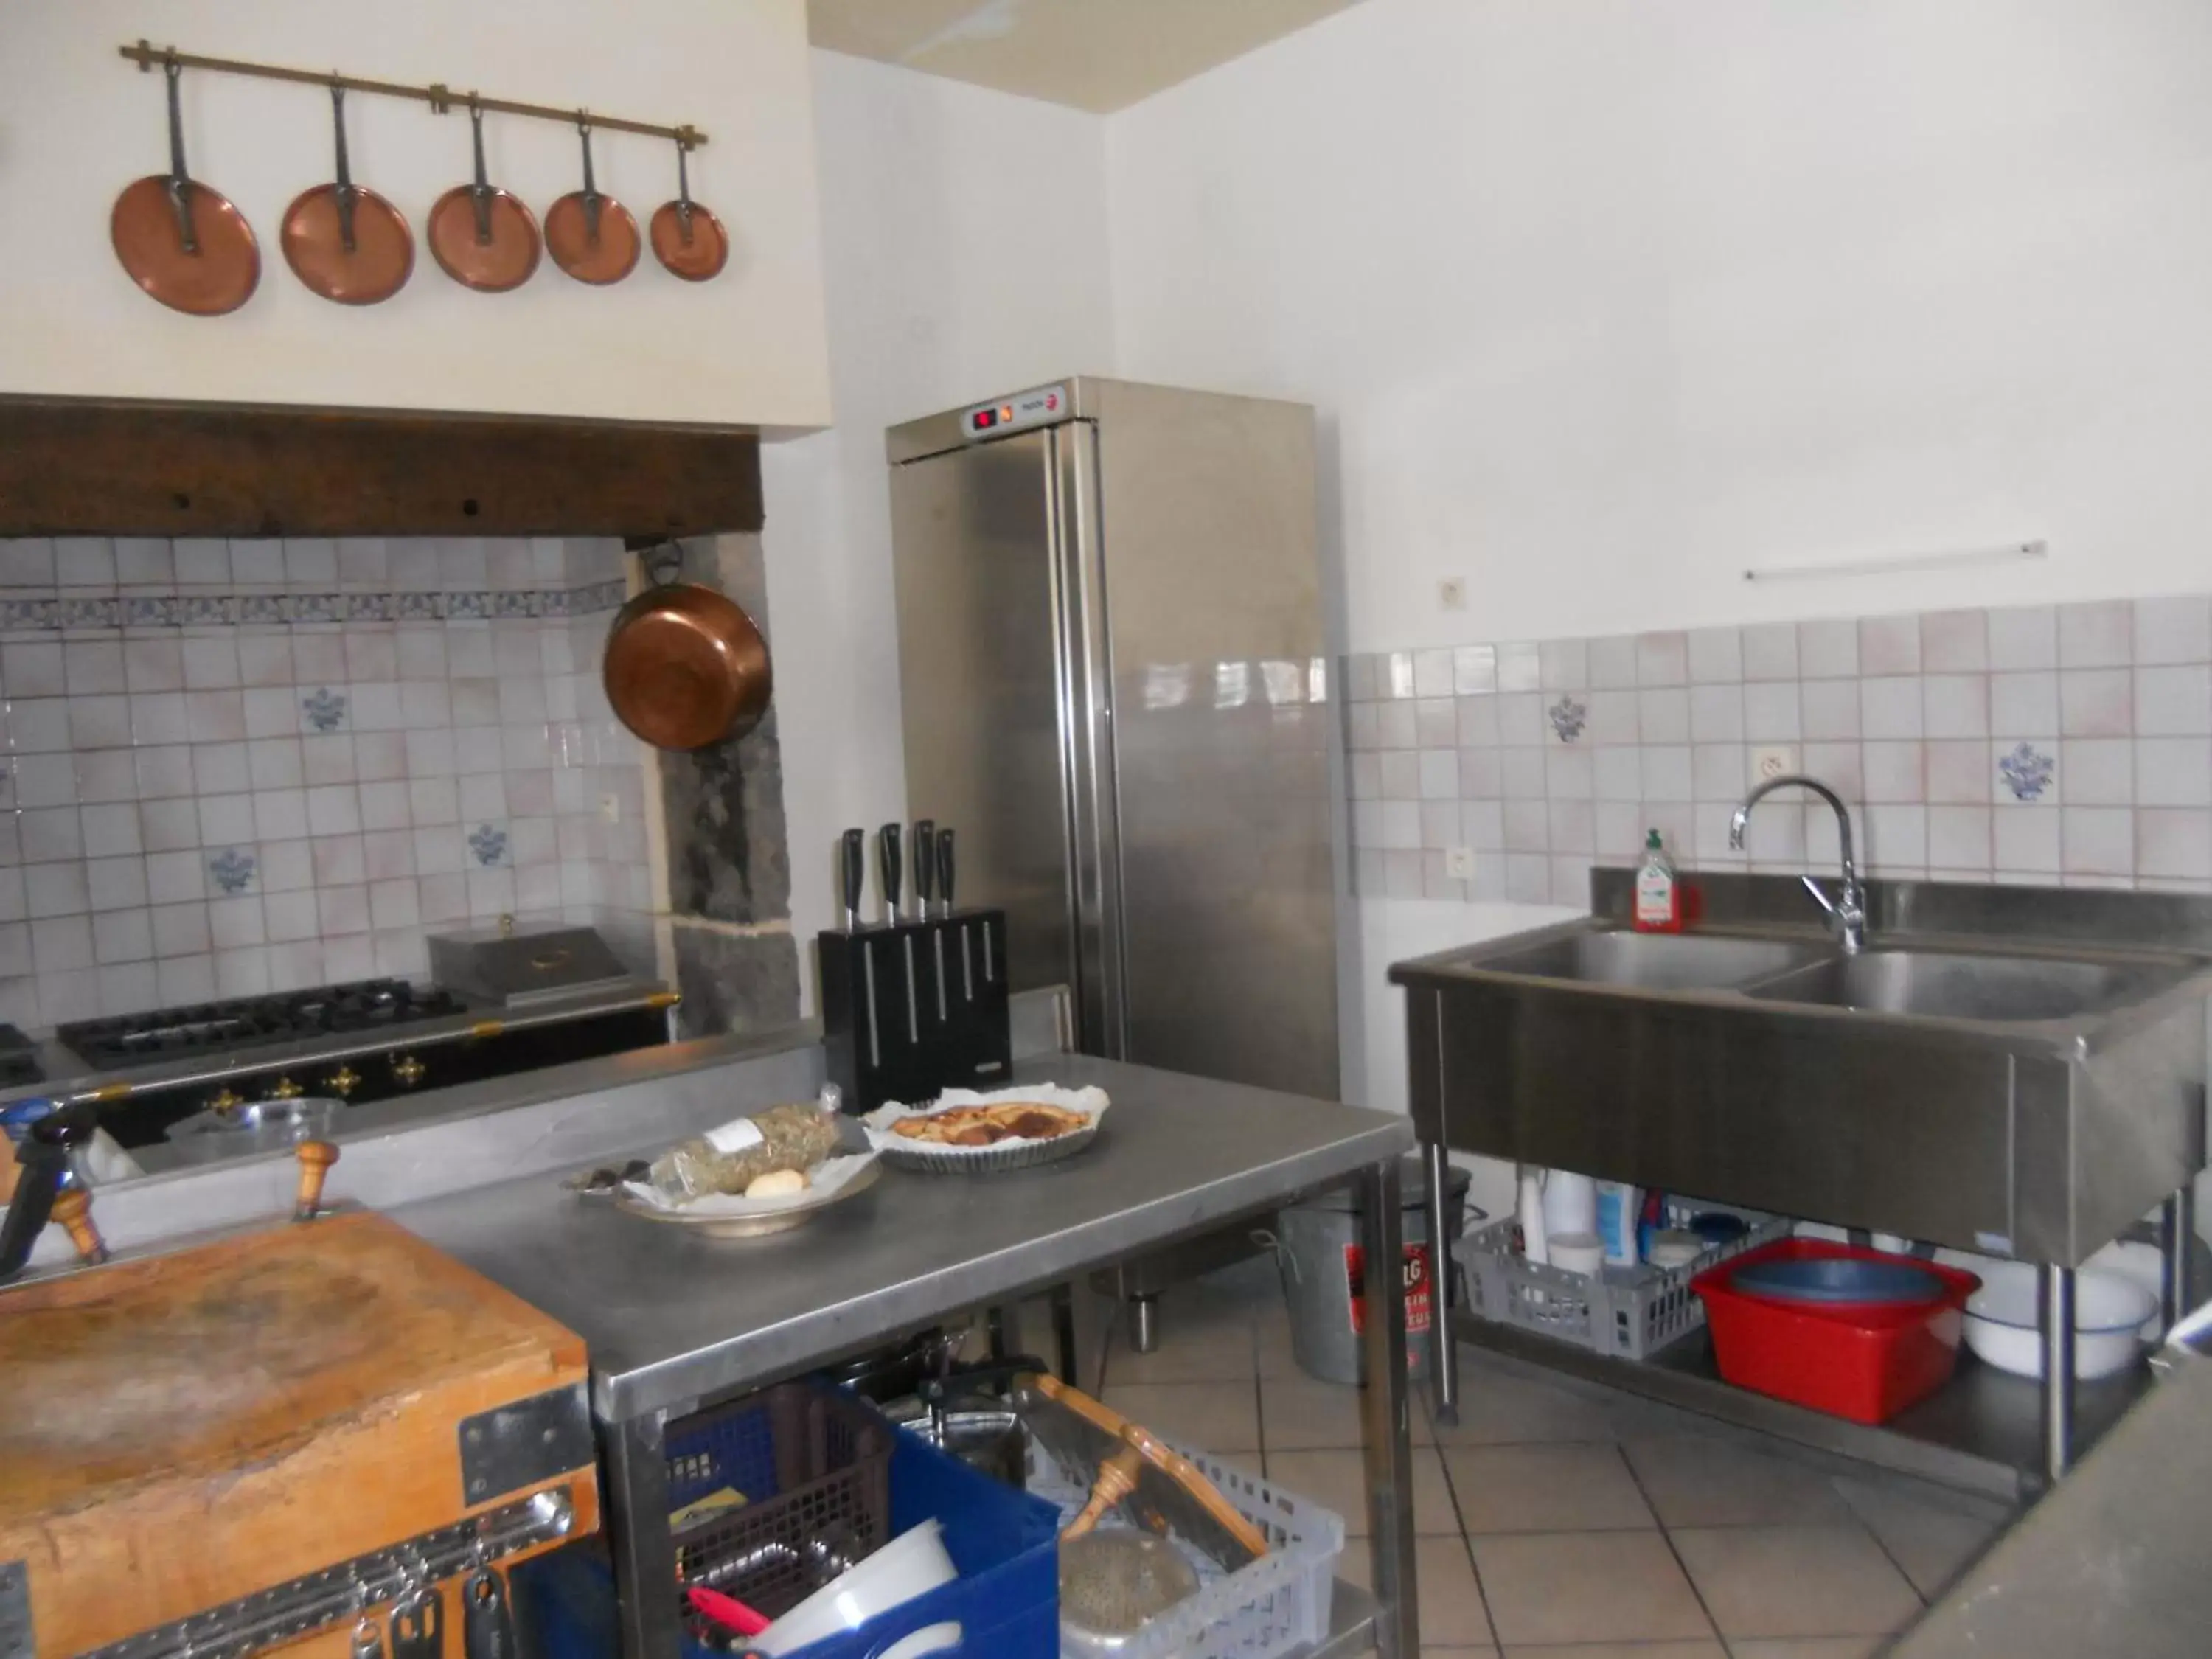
x: 851, y: 873
x: 892, y: 866
x: 945, y: 870
x: 925, y: 865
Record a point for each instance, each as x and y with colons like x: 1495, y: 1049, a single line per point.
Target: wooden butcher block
x: 180, y: 1431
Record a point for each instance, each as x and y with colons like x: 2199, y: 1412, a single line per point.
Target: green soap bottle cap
x: 1651, y: 841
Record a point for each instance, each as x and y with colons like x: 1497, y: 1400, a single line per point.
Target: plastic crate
x: 1274, y: 1605
x: 1855, y: 1360
x: 1006, y: 1546
x: 814, y: 1467
x: 1007, y: 1599
x: 1630, y: 1313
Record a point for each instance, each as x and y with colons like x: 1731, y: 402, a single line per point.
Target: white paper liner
x: 823, y: 1180
x: 1092, y: 1103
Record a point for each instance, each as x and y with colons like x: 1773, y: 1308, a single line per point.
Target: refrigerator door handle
x: 1086, y: 724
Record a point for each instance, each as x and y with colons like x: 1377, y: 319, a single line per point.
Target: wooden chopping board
x: 179, y: 1431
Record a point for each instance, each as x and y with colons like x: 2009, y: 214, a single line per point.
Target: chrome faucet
x: 1846, y: 912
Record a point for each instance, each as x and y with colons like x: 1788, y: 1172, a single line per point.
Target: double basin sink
x: 2015, y: 1071
x: 1903, y: 980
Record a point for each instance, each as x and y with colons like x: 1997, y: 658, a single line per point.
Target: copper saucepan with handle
x: 343, y: 241
x: 484, y: 237
x: 590, y: 234
x: 187, y: 245
x: 685, y: 667
x: 686, y: 238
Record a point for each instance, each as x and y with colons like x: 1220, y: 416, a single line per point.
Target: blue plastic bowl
x: 1838, y: 1278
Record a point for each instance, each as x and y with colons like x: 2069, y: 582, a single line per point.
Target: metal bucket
x: 1319, y: 1259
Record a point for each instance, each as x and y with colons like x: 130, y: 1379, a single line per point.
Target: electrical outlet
x: 1451, y: 593
x: 611, y: 807
x: 1773, y: 760
x: 1459, y: 863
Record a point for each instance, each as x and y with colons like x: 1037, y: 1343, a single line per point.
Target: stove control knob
x: 343, y: 1082
x: 285, y: 1089
x: 409, y: 1070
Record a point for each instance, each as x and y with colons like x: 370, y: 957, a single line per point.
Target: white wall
x: 77, y: 123
x: 1606, y: 301
x: 964, y: 237
x: 1602, y: 301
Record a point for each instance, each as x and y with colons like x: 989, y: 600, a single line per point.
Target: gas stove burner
x: 224, y: 1028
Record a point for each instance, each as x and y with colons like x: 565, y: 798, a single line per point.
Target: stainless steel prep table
x: 2111, y: 1562
x: 673, y: 1320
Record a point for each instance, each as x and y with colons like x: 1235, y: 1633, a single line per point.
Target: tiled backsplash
x: 2066, y: 745
x: 234, y: 766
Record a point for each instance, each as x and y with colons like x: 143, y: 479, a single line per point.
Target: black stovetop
x: 225, y: 1028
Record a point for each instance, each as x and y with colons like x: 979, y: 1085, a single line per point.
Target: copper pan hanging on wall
x: 686, y: 238
x: 685, y: 667
x: 481, y: 237
x: 343, y: 241
x: 590, y: 235
x: 187, y: 245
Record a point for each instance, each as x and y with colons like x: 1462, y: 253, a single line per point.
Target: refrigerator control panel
x: 1042, y: 407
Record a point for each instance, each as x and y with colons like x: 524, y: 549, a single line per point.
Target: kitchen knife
x: 851, y: 873
x: 945, y: 872
x: 891, y: 865
x: 925, y: 866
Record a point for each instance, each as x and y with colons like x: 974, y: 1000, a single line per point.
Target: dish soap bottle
x: 1658, y: 892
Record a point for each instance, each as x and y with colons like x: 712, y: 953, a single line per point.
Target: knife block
x: 912, y: 1008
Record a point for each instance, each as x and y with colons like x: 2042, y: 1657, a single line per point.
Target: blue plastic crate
x: 1005, y: 1544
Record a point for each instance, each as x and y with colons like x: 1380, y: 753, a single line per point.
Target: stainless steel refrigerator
x: 1116, y: 691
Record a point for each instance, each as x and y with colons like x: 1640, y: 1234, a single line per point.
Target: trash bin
x: 1320, y: 1261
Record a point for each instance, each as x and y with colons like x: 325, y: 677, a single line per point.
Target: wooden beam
x: 81, y: 467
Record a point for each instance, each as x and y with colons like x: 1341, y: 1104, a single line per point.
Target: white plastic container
x: 1577, y: 1253
x: 1570, y: 1203
x: 2108, y: 1310
x: 1529, y: 1208
x: 913, y: 1563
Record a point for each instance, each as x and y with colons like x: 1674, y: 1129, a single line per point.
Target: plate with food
x: 964, y: 1132
x: 764, y: 1173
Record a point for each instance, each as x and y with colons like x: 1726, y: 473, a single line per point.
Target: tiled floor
x: 1559, y: 1521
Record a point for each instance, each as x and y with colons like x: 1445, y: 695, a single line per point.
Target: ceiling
x: 1099, y: 55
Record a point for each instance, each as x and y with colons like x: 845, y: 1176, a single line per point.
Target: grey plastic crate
x: 1630, y: 1313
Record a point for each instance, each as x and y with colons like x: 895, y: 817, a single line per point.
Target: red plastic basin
x: 1864, y: 1361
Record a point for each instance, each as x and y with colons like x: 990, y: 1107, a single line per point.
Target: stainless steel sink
x: 2012, y: 1070
x: 1659, y: 962
x: 1948, y: 985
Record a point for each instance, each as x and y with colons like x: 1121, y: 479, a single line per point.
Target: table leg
x: 1145, y: 1324
x: 1443, y: 1352
x: 637, y: 1526
x: 2055, y: 1317
x: 1385, y: 1400
x: 2177, y: 1240
x: 1063, y: 1334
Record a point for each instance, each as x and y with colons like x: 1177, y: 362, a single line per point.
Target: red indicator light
x: 1051, y: 400
x: 985, y: 420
